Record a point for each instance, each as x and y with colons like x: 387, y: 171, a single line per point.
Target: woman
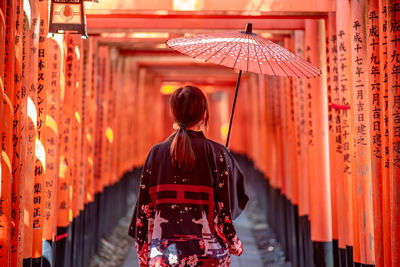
x: 191, y: 189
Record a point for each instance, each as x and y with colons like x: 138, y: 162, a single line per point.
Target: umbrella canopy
x: 246, y: 51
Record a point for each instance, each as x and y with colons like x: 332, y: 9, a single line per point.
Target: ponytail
x: 181, y: 151
x: 188, y: 105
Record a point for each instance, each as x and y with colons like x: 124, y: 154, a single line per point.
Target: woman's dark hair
x: 188, y: 105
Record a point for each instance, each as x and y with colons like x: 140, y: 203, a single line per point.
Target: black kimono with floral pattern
x: 185, y: 218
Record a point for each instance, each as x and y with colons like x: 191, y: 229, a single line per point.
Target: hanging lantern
x: 67, y: 15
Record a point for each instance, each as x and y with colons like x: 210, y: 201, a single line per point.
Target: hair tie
x: 182, y: 126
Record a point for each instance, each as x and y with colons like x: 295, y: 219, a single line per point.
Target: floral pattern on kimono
x: 185, y: 218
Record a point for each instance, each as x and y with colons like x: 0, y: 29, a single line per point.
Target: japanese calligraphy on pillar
x: 344, y: 104
x: 344, y: 192
x: 40, y: 161
x: 384, y: 85
x: 393, y: 57
x: 66, y: 151
x: 53, y: 117
x: 32, y: 75
x: 383, y: 52
x: 335, y: 97
x: 394, y: 85
x: 374, y: 82
x: 359, y: 83
x: 362, y: 185
x: 77, y: 182
x: 88, y: 120
x: 17, y: 189
x: 6, y: 124
x: 375, y: 116
x: 334, y: 124
x: 309, y: 115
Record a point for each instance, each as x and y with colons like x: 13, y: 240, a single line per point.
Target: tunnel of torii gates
x: 78, y: 117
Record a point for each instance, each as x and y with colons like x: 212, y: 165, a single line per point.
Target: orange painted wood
x: 25, y: 224
x: 385, y: 133
x: 99, y: 22
x: 31, y: 91
x: 289, y: 44
x: 362, y: 184
x: 262, y: 98
x: 303, y: 172
x: 53, y: 127
x: 320, y: 206
x: 119, y: 127
x: 375, y: 115
x: 393, y: 58
x: 134, y: 128
x: 76, y: 198
x: 17, y: 221
x: 88, y: 118
x: 101, y: 120
x: 281, y: 136
x: 106, y: 84
x: 2, y: 41
x: 6, y: 128
x: 290, y: 6
x: 113, y: 131
x: 286, y: 188
x: 335, y: 155
x: 345, y: 83
x: 64, y: 209
x: 277, y: 182
x: 40, y: 159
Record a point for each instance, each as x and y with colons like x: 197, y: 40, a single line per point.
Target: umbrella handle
x: 233, y: 106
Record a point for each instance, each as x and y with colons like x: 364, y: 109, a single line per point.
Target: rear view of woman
x: 191, y: 189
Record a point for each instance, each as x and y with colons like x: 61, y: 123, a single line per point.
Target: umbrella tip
x: 249, y: 27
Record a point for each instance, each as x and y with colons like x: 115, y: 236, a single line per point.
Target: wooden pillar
x: 362, y: 184
x: 6, y: 129
x: 344, y: 195
x: 335, y: 144
x: 375, y: 114
x: 320, y: 203
x: 393, y: 71
x: 32, y: 36
x: 17, y: 219
x: 53, y: 127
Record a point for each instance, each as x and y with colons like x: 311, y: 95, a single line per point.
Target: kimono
x: 185, y: 218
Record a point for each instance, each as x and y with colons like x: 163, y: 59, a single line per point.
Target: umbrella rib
x: 295, y: 60
x: 266, y: 59
x: 283, y: 56
x: 294, y: 65
x: 299, y: 62
x: 307, y: 67
x: 270, y: 50
x: 226, y: 54
x: 227, y: 43
x: 229, y: 50
x: 258, y: 61
x: 307, y: 64
x: 288, y: 66
x: 240, y: 50
x: 207, y: 48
